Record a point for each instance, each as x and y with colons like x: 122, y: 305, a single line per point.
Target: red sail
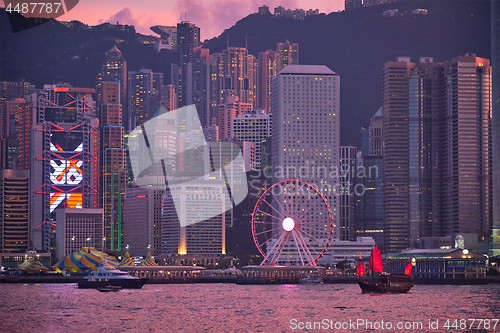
x: 361, y: 269
x: 408, y: 269
x: 376, y: 261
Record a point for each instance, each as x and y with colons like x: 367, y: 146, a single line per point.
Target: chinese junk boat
x: 378, y: 281
x: 107, y: 277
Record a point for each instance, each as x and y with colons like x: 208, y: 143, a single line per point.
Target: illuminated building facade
x: 15, y: 209
x: 253, y: 126
x: 114, y: 69
x: 346, y: 196
x: 143, y: 221
x: 306, y: 128
x: 143, y: 87
x: 188, y: 38
x: 227, y: 112
x: 63, y: 151
x: 77, y: 228
x: 114, y: 167
x: 182, y: 236
x: 495, y: 64
x: 288, y: 54
x: 16, y: 121
x: 437, y: 149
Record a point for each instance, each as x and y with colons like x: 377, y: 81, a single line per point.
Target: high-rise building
x: 200, y: 84
x: 288, y: 54
x: 365, y: 141
x: 143, y: 221
x: 346, y: 204
x: 495, y: 64
x: 467, y: 165
x: 15, y: 210
x: 182, y: 236
x: 239, y: 75
x: 305, y: 127
x: 375, y: 133
x: 77, y: 228
x: 395, y: 112
x: 143, y: 87
x: 353, y: 4
x: 268, y: 62
x: 10, y: 90
x: 114, y: 167
x: 188, y: 38
x: 16, y: 121
x: 436, y: 147
x: 64, y: 162
x: 227, y: 112
x: 369, y: 212
x: 114, y: 69
x: 253, y: 126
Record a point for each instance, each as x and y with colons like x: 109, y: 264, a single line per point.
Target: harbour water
x: 246, y: 308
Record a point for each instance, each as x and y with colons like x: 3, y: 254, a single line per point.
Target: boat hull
x: 391, y: 284
x: 124, y: 283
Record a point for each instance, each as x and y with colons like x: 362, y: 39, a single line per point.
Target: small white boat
x: 312, y: 279
x: 106, y: 276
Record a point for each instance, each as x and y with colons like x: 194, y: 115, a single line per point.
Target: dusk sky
x: 212, y: 16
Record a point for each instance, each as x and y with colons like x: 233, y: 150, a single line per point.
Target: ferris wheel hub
x: 288, y: 224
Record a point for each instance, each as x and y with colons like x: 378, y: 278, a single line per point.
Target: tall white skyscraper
x: 305, y: 131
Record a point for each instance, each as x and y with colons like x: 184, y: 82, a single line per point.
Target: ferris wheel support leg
x: 304, y: 244
x: 274, y: 247
x: 277, y: 254
x: 298, y: 249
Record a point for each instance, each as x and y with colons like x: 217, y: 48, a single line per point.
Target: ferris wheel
x: 292, y: 224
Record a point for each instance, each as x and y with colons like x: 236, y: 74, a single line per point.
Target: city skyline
x: 227, y: 85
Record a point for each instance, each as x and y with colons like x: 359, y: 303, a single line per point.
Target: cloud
x: 213, y: 16
x: 141, y: 22
x: 124, y: 16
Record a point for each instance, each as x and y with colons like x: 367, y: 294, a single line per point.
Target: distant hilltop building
x: 356, y: 4
x: 280, y: 11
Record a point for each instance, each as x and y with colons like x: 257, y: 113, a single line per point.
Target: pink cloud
x: 213, y: 16
x: 141, y: 22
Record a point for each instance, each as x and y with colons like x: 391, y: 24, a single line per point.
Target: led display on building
x: 66, y: 174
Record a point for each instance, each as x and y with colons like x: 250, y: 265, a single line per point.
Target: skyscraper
x: 239, y: 75
x: 202, y: 238
x: 15, y: 210
x: 305, y: 127
x: 437, y: 151
x: 143, y: 86
x: 495, y: 64
x: 253, y: 126
x: 227, y: 112
x: 268, y: 62
x: 375, y: 133
x: 188, y: 38
x: 63, y: 151
x: 346, y: 196
x: 114, y: 167
x: 288, y: 54
x: 143, y: 221
x: 467, y: 165
x: 114, y: 69
x: 395, y: 111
